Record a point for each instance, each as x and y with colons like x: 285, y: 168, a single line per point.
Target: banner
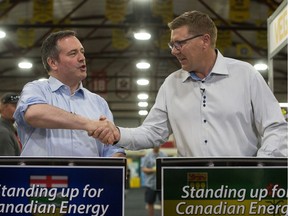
x: 25, y: 36
x: 99, y: 82
x: 164, y: 9
x: 62, y: 190
x: 278, y: 33
x: 115, y: 10
x: 42, y: 11
x: 224, y: 191
x: 224, y: 40
x: 119, y: 40
x: 123, y: 85
x: 239, y: 10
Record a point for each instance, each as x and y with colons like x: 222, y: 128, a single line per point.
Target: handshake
x: 105, y: 131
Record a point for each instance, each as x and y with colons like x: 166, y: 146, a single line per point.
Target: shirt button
x: 204, y: 120
x: 204, y: 105
x: 206, y: 141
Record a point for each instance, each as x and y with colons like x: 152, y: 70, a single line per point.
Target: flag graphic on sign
x: 49, y: 181
x: 47, y: 193
x: 198, y: 180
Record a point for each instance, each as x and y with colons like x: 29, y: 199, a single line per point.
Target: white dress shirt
x: 232, y: 112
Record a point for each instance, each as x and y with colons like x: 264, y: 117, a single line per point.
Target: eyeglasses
x: 178, y: 44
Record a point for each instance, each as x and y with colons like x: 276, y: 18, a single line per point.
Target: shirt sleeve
x: 31, y: 94
x: 110, y: 150
x: 154, y: 131
x: 269, y: 120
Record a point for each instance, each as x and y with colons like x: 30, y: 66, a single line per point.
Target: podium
x: 62, y: 186
x: 223, y: 186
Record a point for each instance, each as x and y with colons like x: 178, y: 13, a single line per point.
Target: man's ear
x: 206, y: 40
x: 52, y: 63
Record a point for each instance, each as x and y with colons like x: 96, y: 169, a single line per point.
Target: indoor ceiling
x: 105, y: 28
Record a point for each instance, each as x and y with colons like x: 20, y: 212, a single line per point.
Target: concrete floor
x: 135, y: 204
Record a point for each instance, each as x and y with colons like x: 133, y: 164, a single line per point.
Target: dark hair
x: 49, y: 47
x: 197, y: 23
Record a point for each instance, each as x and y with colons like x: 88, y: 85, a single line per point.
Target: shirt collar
x: 55, y: 85
x: 219, y: 68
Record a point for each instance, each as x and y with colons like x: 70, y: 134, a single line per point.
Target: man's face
x: 70, y: 68
x: 189, y: 51
x: 7, y: 111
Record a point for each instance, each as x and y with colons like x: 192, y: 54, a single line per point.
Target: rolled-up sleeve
x: 30, y: 95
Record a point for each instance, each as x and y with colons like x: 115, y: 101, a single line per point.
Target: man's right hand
x: 106, y: 131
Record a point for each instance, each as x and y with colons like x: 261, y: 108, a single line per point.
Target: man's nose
x: 81, y: 57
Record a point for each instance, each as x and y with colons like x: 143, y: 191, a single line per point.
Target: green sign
x: 224, y: 191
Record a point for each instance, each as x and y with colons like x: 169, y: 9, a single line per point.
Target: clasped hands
x: 105, y: 131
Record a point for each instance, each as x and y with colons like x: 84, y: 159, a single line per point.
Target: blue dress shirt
x: 149, y: 161
x: 61, y: 142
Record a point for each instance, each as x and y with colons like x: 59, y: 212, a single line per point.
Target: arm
x: 118, y: 154
x: 269, y: 120
x: 148, y: 171
x: 48, y: 116
x: 154, y: 131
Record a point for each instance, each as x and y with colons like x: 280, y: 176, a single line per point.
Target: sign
x: 62, y: 190
x: 43, y: 11
x: 224, y: 190
x: 278, y: 29
x: 239, y: 10
x: 115, y: 10
x: 123, y: 85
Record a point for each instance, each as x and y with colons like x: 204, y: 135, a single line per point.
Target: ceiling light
x: 143, y: 112
x: 143, y: 96
x: 142, y: 82
x: 283, y: 104
x: 143, y: 65
x: 25, y: 65
x: 142, y: 35
x: 260, y: 66
x: 2, y: 34
x: 143, y: 104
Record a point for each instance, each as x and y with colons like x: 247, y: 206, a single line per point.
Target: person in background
x: 9, y: 143
x: 213, y: 105
x: 148, y: 167
x: 55, y: 117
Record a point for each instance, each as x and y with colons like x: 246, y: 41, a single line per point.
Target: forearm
x: 275, y: 141
x: 147, y: 170
x: 118, y: 154
x: 47, y: 116
x: 139, y: 138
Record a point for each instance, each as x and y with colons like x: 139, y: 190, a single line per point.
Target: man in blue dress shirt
x: 56, y: 117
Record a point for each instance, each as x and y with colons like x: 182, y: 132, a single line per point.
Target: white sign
x: 278, y: 30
